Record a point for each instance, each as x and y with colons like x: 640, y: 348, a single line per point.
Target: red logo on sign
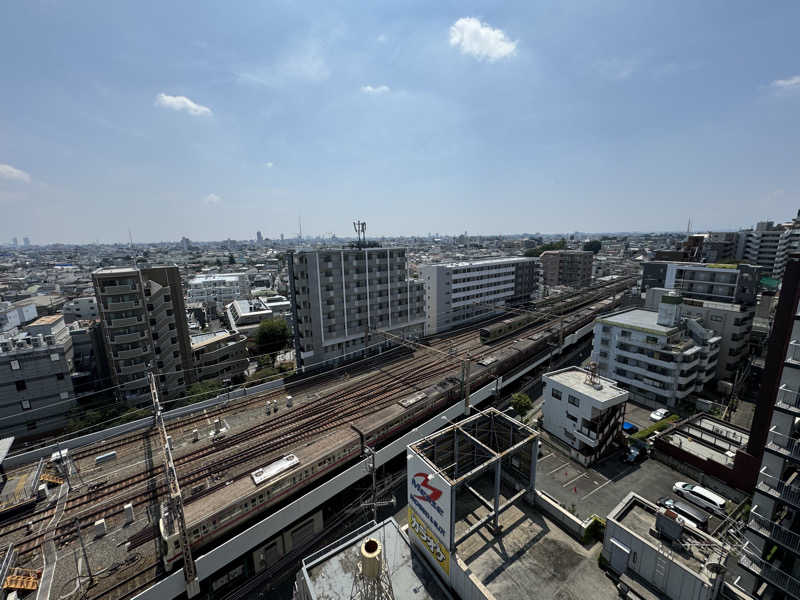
x: 426, y: 490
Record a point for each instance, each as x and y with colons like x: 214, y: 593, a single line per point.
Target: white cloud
x: 13, y: 174
x: 182, y: 103
x: 480, y: 40
x: 375, y: 90
x: 212, y: 199
x: 269, y: 165
x: 793, y: 83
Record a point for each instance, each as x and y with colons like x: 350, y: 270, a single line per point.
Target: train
x: 247, y: 498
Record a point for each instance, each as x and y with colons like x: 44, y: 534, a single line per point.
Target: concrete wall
x: 464, y: 582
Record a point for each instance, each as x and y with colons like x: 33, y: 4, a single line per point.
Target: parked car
x: 659, y: 414
x: 635, y: 454
x: 629, y: 428
x: 700, y: 496
x: 696, y: 516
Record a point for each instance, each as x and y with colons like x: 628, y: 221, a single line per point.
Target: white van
x: 700, y: 496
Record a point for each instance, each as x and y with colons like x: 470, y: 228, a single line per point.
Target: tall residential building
x: 83, y: 307
x: 219, y: 289
x: 732, y: 322
x: 583, y: 410
x: 14, y: 242
x: 26, y: 241
x: 456, y: 293
x: 717, y: 282
x: 145, y: 328
x: 771, y: 556
x: 259, y: 238
x: 567, y: 267
x: 660, y: 356
x: 759, y: 246
x: 343, y: 298
x: 35, y: 382
x: 788, y: 242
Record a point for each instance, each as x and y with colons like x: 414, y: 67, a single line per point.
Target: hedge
x: 660, y: 426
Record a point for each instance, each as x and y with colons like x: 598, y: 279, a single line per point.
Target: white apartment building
x: 457, y: 293
x: 732, y: 322
x: 660, y: 357
x: 583, y: 410
x: 760, y: 245
x: 13, y: 316
x: 219, y: 289
x: 716, y: 282
x: 81, y: 308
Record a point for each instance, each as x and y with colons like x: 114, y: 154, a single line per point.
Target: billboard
x: 429, y: 495
x: 436, y: 549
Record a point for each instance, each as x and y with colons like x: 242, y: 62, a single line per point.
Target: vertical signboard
x: 436, y: 550
x: 429, y: 495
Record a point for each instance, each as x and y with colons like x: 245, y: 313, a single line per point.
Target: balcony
x: 586, y: 436
x: 785, y: 491
x: 107, y: 290
x: 131, y: 369
x: 788, y: 400
x: 783, y: 444
x: 770, y: 573
x: 793, y: 354
x: 113, y: 306
x: 132, y: 353
x: 127, y: 338
x: 126, y: 322
x: 774, y: 531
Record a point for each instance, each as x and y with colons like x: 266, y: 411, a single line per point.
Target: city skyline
x: 469, y: 117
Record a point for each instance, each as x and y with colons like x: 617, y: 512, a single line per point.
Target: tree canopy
x: 272, y: 336
x: 559, y: 245
x: 521, y: 403
x: 593, y: 246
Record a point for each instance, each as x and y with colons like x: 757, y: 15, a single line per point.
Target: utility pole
x: 374, y: 505
x: 467, y: 364
x: 85, y: 556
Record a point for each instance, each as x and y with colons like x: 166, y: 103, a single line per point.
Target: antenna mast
x: 360, y: 228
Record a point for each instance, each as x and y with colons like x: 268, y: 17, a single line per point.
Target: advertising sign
x: 436, y: 549
x: 429, y: 495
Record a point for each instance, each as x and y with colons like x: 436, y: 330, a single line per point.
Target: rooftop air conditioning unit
x: 50, y: 339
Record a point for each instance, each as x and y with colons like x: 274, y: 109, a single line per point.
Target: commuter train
x: 244, y: 499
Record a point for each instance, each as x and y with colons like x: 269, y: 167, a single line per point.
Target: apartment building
x: 245, y: 316
x: 218, y: 289
x: 771, y: 557
x: 145, y: 328
x: 788, y: 242
x: 660, y: 357
x: 567, y: 267
x: 219, y: 354
x: 81, y: 308
x: 583, y: 410
x: 737, y: 284
x: 457, y: 293
x: 759, y: 246
x: 36, y: 390
x: 13, y: 315
x: 732, y: 322
x: 343, y: 299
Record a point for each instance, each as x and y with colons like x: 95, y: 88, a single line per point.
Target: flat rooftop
x: 576, y: 379
x: 638, y: 318
x: 484, y: 262
x: 329, y: 573
x: 46, y: 320
x: 201, y: 339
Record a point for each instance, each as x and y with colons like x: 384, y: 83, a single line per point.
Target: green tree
x: 592, y: 246
x: 559, y: 245
x: 521, y: 403
x: 203, y: 390
x: 272, y: 336
x: 231, y: 259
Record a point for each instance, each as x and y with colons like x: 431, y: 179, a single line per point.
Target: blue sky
x: 212, y: 121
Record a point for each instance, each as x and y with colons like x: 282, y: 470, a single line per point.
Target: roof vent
x: 371, y: 558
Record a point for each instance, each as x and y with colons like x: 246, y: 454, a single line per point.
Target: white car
x: 658, y: 414
x: 700, y: 496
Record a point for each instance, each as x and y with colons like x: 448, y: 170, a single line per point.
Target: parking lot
x: 638, y: 415
x: 599, y: 489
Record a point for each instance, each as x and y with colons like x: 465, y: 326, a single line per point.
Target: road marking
x: 557, y: 468
x: 576, y: 479
x: 617, y: 478
x: 547, y: 456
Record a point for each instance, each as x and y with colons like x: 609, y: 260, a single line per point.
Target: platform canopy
x: 5, y: 446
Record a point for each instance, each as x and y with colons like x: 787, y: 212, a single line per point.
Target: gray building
x: 457, y: 293
x: 732, y: 322
x: 343, y: 298
x: 36, y: 390
x: 145, y: 328
x: 219, y: 354
x: 567, y: 267
x: 717, y: 282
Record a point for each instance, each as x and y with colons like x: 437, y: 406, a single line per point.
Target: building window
x: 21, y: 386
x: 26, y: 404
x: 652, y: 339
x: 15, y: 365
x: 60, y: 376
x: 625, y: 334
x: 54, y: 357
x: 167, y: 298
x: 573, y: 400
x: 572, y: 418
x: 556, y: 394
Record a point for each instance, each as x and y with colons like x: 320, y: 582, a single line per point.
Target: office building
x: 732, y: 322
x: 771, y: 556
x: 145, y: 328
x: 259, y: 238
x: 583, y: 410
x: 567, y: 267
x: 737, y: 284
x: 457, y: 293
x: 219, y: 354
x: 345, y: 300
x: 219, y: 289
x: 81, y: 308
x: 35, y: 383
x: 660, y: 356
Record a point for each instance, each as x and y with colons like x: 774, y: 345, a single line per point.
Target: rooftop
x: 47, y: 320
x: 576, y: 378
x: 329, y: 573
x: 638, y: 318
x: 484, y: 262
x: 201, y: 339
x: 217, y: 277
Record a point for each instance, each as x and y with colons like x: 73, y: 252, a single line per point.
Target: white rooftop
x: 576, y: 378
x: 485, y: 262
x: 638, y: 318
